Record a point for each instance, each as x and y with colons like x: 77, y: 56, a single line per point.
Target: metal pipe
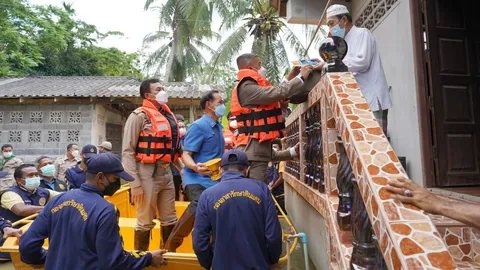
x: 287, y: 243
x: 318, y: 26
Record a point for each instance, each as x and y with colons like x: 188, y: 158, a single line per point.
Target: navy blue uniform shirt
x: 241, y: 215
x: 83, y: 234
x: 75, y: 177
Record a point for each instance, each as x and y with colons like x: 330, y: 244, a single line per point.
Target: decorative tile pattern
x: 16, y: 117
x: 74, y: 117
x: 406, y: 235
x: 53, y: 136
x: 35, y: 136
x: 1, y: 117
x: 374, y: 12
x: 36, y: 117
x: 55, y: 117
x: 72, y: 135
x: 15, y: 136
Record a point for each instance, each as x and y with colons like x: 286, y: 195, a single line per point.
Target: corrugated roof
x: 93, y: 86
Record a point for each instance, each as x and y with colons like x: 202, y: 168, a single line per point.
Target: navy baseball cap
x: 3, y: 174
x: 234, y: 156
x: 108, y: 163
x: 89, y: 150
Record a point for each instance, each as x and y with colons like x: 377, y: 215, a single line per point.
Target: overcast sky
x: 129, y: 17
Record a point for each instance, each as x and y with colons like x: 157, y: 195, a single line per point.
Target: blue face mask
x: 32, y: 183
x: 48, y: 170
x: 220, y: 110
x: 337, y: 31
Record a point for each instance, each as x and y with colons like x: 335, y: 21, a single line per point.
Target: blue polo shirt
x: 205, y: 140
x: 75, y: 177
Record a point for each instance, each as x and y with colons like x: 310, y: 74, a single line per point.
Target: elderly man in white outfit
x: 363, y: 60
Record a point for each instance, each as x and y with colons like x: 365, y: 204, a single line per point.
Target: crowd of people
x: 234, y: 219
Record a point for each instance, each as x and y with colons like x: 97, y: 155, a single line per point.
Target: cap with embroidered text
x: 234, y: 157
x: 89, y: 150
x: 108, y: 163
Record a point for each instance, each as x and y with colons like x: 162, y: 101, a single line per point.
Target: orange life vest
x: 229, y: 142
x: 264, y: 122
x: 156, y: 144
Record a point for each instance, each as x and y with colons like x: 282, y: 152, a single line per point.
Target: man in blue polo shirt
x: 75, y: 176
x: 82, y: 227
x: 204, y: 141
x: 236, y: 225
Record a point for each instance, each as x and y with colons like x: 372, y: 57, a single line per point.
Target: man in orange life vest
x: 255, y: 103
x: 150, y: 144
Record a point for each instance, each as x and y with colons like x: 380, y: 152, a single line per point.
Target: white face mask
x: 7, y: 154
x: 32, y: 183
x: 263, y: 72
x: 162, y: 97
x: 183, y: 131
x: 234, y: 124
x: 76, y: 153
x: 275, y: 149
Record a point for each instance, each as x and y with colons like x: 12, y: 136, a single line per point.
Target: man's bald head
x: 247, y: 60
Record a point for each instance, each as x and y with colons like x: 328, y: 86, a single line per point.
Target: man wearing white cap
x: 363, y: 60
x: 105, y: 147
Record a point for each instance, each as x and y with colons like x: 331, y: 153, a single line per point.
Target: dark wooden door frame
x: 423, y: 102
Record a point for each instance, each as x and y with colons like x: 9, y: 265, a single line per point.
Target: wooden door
x: 453, y: 36
x: 114, y: 135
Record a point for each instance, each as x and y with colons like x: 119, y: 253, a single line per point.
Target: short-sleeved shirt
x: 10, y: 198
x: 205, y: 140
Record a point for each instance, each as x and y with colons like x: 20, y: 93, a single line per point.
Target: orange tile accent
x: 409, y: 247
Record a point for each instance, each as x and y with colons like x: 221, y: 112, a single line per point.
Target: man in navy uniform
x: 47, y: 172
x: 241, y: 216
x: 27, y: 197
x: 75, y: 176
x: 6, y: 229
x: 82, y: 228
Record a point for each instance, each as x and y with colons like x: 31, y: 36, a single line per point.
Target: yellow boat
x: 184, y: 258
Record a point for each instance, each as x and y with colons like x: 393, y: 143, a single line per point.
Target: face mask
x: 7, y: 154
x: 275, y: 149
x: 32, y: 183
x: 337, y: 31
x: 112, y: 188
x: 234, y: 124
x: 263, y: 72
x: 48, y: 170
x: 220, y: 110
x: 162, y: 97
x: 76, y: 153
x: 183, y: 131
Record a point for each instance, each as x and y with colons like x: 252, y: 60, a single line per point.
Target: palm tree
x: 184, y: 27
x: 269, y: 33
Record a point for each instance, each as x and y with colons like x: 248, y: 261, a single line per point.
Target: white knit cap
x: 335, y: 10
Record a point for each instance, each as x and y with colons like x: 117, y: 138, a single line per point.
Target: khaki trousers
x: 159, y: 196
x: 258, y: 170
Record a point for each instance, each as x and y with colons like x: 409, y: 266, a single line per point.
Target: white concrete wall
x: 99, y: 124
x: 307, y: 220
x: 394, y: 40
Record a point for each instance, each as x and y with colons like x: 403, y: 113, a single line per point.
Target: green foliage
x: 47, y: 40
x: 270, y: 34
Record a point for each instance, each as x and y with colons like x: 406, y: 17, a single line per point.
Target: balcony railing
x: 345, y: 164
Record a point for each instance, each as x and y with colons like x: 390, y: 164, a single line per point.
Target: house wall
x: 101, y: 118
x: 307, y: 220
x: 35, y: 130
x: 393, y: 33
